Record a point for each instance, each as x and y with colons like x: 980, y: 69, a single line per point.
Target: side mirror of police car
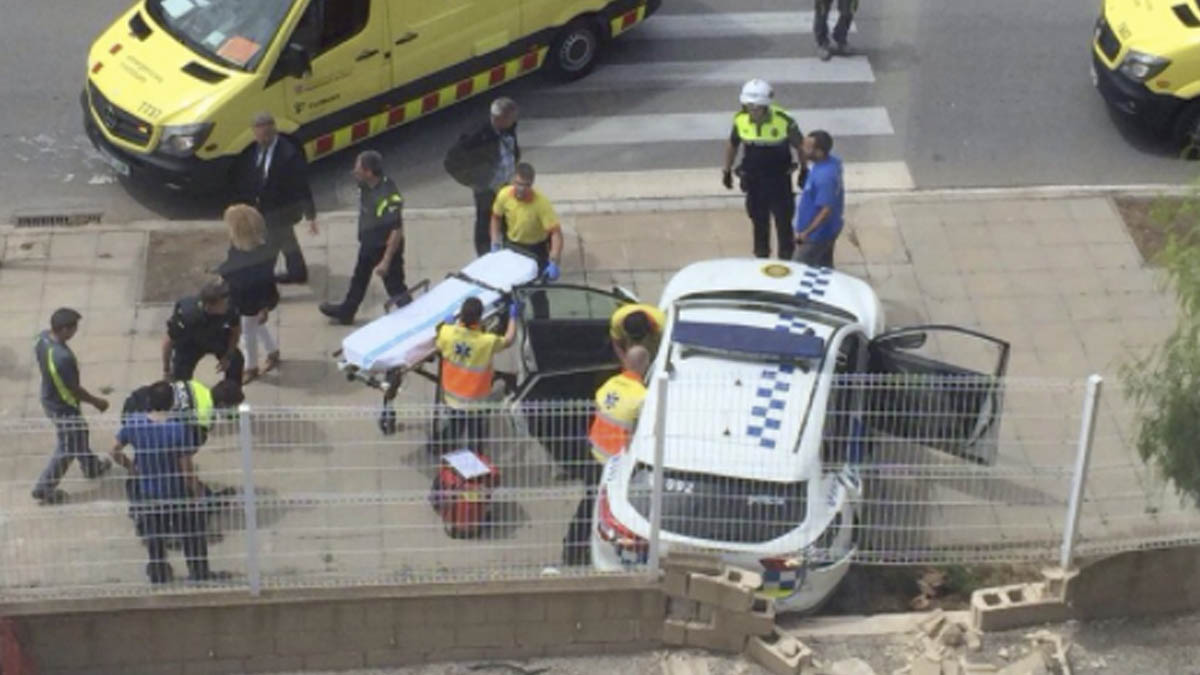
x: 295, y: 61
x: 910, y: 341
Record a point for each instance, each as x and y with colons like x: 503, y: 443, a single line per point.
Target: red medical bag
x: 462, y: 492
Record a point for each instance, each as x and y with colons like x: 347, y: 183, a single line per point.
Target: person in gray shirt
x: 62, y: 398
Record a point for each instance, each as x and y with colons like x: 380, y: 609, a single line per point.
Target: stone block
x: 779, y: 653
x: 541, y: 633
x: 758, y: 620
x: 305, y: 643
x: 270, y: 663
x: 485, y: 635
x: 695, y: 563
x: 713, y: 638
x: 674, y: 632
x: 1005, y: 607
x: 675, y: 583
x: 315, y: 618
x: 213, y: 667
x: 622, y: 605
x: 732, y: 590
x: 384, y: 658
x: 654, y: 605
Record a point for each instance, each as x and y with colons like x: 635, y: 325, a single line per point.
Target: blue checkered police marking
x: 770, y: 396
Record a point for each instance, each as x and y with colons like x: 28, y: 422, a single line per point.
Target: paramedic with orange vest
x: 618, y: 404
x: 466, y: 380
x: 636, y: 324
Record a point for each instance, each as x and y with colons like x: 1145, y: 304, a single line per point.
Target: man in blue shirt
x: 166, y: 486
x: 819, y: 208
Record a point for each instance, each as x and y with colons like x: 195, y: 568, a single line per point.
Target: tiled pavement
x: 1059, y: 279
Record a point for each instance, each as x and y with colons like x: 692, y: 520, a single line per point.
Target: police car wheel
x: 574, y: 50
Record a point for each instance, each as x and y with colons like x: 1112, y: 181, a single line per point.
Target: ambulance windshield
x: 233, y: 33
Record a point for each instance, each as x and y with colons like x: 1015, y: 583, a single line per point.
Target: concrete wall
x: 342, y: 629
x: 1137, y: 583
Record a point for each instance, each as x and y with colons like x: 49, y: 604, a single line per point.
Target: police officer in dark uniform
x: 769, y: 135
x: 380, y: 240
x: 201, y: 325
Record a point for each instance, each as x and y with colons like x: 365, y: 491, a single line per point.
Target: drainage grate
x: 56, y: 218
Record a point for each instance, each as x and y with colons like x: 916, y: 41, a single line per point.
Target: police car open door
x: 938, y: 386
x: 565, y: 356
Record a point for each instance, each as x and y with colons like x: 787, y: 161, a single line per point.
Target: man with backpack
x: 484, y: 160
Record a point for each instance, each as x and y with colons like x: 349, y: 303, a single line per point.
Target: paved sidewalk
x: 1059, y: 278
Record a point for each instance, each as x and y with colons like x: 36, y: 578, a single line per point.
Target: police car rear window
x: 722, y: 508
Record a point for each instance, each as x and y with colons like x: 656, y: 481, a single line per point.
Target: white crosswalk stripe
x: 641, y: 129
x: 641, y: 138
x: 724, y: 25
x: 706, y: 73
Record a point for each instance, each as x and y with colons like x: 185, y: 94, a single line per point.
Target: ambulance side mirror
x: 295, y: 61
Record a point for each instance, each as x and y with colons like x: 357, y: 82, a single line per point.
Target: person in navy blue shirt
x: 819, y: 208
x: 167, y: 486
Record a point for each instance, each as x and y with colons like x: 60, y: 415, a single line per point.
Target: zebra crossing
x: 653, y: 123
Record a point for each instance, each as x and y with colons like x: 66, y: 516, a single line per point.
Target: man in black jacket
x: 272, y: 175
x: 484, y: 159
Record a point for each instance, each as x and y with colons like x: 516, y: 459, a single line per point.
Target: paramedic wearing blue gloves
x: 528, y: 222
x: 819, y: 209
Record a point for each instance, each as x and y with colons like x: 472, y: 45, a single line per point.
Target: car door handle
x: 407, y: 37
x: 366, y: 54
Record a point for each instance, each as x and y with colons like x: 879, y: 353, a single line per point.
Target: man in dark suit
x: 484, y: 159
x: 272, y: 175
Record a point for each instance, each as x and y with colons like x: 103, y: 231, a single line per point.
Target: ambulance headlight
x: 183, y: 140
x: 1141, y: 66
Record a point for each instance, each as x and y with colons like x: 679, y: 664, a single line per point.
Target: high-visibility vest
x: 466, y: 363
x: 64, y: 392
x: 195, y: 398
x: 774, y: 131
x: 618, y: 404
x: 616, y: 329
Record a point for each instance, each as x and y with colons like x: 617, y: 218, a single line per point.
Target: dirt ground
x: 178, y: 263
x: 1150, y: 220
x: 880, y: 589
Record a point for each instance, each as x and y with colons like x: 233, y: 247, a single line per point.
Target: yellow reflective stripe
x: 626, y: 20
x: 385, y: 202
x: 63, y: 392
x: 202, y: 397
x: 418, y: 107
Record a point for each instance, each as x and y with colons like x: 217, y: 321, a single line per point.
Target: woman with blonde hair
x: 249, y: 269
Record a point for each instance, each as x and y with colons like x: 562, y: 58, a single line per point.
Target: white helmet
x: 756, y: 92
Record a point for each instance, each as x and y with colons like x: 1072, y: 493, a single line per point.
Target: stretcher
x: 401, y: 341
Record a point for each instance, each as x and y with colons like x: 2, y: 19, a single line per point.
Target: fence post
x: 249, y: 498
x: 656, y: 496
x: 1083, y: 455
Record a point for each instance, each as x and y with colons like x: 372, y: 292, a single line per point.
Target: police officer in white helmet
x: 769, y: 136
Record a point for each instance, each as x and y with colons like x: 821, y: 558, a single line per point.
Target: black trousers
x: 846, y: 10
x: 184, y: 358
x: 459, y: 428
x: 281, y: 237
x: 160, y: 522
x: 364, y: 268
x: 577, y: 544
x: 483, y: 220
x: 770, y: 196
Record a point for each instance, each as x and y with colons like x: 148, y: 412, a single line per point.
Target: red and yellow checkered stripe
x: 397, y: 115
x: 627, y: 20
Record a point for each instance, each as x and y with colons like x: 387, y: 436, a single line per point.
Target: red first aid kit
x: 462, y: 492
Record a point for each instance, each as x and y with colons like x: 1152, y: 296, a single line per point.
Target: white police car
x: 762, y: 450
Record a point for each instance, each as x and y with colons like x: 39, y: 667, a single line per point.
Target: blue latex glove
x: 514, y: 309
x: 552, y: 271
x: 495, y: 247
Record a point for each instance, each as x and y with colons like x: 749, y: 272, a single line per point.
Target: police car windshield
x: 233, y: 33
x: 769, y: 301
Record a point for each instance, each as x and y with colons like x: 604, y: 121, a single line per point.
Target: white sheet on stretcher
x: 405, y: 337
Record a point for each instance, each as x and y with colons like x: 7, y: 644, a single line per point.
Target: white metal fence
x: 320, y: 497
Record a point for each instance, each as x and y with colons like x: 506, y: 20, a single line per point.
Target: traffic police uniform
x: 466, y: 379
x: 766, y: 176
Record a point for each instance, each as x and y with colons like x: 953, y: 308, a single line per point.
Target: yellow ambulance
x: 173, y: 84
x: 1146, y: 64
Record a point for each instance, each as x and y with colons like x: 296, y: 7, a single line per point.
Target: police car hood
x: 737, y: 415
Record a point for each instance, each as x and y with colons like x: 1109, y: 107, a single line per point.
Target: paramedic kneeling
x: 618, y: 405
x: 467, y: 352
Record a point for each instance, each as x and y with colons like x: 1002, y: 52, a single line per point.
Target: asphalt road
x: 967, y: 93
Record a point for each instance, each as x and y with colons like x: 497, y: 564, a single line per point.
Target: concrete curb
x: 722, y: 202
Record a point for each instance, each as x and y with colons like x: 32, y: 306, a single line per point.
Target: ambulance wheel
x: 574, y: 50
x: 1186, y: 132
